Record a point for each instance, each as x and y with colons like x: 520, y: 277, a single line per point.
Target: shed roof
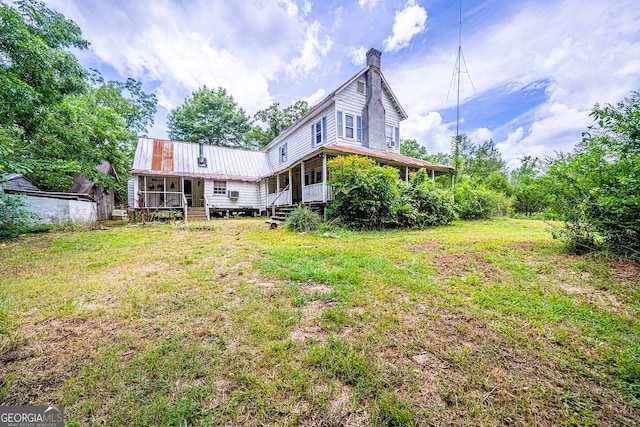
x: 163, y: 157
x: 83, y: 185
x: 18, y: 182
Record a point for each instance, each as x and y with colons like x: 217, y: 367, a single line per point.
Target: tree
x: 530, y: 194
x: 57, y: 117
x: 598, y: 185
x: 483, y: 160
x: 411, y: 148
x: 212, y: 116
x: 276, y: 120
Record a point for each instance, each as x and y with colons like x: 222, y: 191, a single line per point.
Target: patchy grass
x: 229, y: 323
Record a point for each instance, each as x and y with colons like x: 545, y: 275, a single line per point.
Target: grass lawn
x: 230, y: 323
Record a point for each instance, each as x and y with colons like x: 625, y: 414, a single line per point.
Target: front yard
x: 229, y: 323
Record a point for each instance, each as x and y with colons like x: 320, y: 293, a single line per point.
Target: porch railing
x: 314, y: 192
x: 206, y: 207
x: 277, y: 196
x: 185, y: 206
x: 162, y: 199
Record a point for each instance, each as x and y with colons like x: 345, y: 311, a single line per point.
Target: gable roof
x: 329, y: 98
x: 163, y: 157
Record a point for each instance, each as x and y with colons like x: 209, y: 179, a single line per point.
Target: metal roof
x: 162, y: 157
x: 390, y: 156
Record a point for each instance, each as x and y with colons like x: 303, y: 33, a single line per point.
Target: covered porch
x: 305, y: 182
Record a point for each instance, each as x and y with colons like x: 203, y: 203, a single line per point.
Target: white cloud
x: 367, y: 3
x: 587, y: 53
x: 315, y: 97
x: 408, y: 22
x: 428, y: 130
x: 179, y: 49
x: 480, y: 135
x: 358, y: 55
x: 311, y: 53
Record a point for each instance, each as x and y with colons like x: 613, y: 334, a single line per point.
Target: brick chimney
x: 373, y: 114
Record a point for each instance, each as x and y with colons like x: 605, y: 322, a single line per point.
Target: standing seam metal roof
x: 222, y: 162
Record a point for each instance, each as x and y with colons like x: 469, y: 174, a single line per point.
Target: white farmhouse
x: 361, y: 117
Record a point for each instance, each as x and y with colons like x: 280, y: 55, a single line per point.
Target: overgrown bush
x: 423, y: 204
x: 475, y: 201
x: 597, y: 187
x: 14, y: 218
x: 302, y: 219
x: 366, y: 195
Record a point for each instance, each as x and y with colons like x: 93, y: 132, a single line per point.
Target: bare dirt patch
x: 461, y: 263
x: 429, y: 246
x: 309, y: 326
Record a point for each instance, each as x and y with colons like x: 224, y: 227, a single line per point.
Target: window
x: 319, y: 132
x: 318, y: 176
x: 393, y: 136
x: 219, y: 187
x: 361, y: 87
x: 348, y: 126
x: 283, y: 152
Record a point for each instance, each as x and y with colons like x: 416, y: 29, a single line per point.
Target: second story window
x: 348, y: 125
x: 392, y: 136
x: 319, y: 132
x: 283, y: 152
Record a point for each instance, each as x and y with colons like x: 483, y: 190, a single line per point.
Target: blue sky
x: 538, y: 67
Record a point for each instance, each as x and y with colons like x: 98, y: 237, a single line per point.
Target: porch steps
x: 196, y: 214
x: 283, y: 212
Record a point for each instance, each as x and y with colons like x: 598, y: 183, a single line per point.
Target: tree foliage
x: 598, y: 185
x: 211, y: 115
x: 57, y: 117
x: 411, y: 148
x: 275, y: 120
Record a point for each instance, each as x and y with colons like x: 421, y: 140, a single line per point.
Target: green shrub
x: 423, y: 204
x: 302, y: 219
x: 365, y: 195
x: 368, y: 196
x: 475, y: 201
x: 14, y: 218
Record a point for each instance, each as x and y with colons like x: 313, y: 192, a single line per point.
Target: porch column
x: 406, y: 173
x: 290, y: 186
x: 302, y: 179
x: 277, y: 184
x: 146, y: 201
x: 433, y: 174
x: 324, y: 178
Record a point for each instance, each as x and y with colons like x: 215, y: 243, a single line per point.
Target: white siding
x: 392, y: 117
x: 132, y: 190
x: 249, y: 195
x: 350, y: 101
x: 299, y: 142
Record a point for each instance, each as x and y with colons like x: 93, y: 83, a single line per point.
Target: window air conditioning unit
x: 234, y: 194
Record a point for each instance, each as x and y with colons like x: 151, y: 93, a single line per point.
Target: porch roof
x: 389, y: 156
